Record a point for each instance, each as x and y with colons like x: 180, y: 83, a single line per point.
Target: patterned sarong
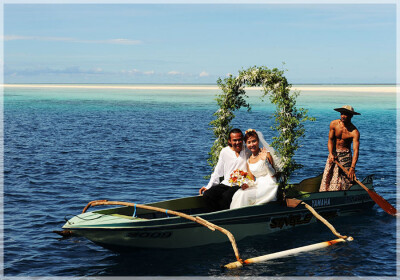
x: 334, y: 179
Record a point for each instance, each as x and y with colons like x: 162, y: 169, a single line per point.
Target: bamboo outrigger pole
x: 286, y: 253
x: 291, y: 202
x: 199, y: 220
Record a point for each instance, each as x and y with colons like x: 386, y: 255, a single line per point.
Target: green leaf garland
x: 288, y: 119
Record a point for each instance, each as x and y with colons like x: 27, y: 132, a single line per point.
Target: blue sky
x: 168, y: 43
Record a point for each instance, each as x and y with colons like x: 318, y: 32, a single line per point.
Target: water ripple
x: 62, y: 151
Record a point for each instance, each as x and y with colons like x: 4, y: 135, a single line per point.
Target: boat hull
x: 126, y: 233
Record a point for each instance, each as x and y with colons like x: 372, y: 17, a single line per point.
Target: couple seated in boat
x: 249, y: 173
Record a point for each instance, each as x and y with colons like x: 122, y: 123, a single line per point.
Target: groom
x: 218, y: 196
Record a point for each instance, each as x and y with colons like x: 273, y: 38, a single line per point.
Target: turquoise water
x: 65, y: 147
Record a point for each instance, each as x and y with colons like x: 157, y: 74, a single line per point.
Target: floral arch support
x: 288, y: 119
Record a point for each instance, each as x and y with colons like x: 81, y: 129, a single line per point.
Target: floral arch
x: 288, y: 119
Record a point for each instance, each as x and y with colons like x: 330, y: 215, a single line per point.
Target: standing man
x: 218, y: 196
x: 342, y: 133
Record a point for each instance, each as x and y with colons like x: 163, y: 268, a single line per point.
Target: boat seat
x: 310, y: 185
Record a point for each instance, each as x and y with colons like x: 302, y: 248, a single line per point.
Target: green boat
x: 123, y: 228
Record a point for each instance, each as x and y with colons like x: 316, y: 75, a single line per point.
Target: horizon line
x: 204, y: 84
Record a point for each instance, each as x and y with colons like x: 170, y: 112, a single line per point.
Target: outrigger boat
x: 131, y: 226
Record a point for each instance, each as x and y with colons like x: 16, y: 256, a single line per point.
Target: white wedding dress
x: 265, y: 187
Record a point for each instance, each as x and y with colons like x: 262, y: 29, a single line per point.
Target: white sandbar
x: 308, y: 88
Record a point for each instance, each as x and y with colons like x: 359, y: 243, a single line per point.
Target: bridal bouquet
x: 240, y: 177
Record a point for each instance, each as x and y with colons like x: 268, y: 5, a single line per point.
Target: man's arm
x: 356, y: 147
x: 218, y: 172
x: 331, y: 142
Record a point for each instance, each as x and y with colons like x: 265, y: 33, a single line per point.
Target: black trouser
x: 219, y: 197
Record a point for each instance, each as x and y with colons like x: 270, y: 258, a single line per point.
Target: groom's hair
x: 235, y: 130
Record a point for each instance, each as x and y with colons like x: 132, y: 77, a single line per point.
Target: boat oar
x: 286, y: 253
x: 386, y: 206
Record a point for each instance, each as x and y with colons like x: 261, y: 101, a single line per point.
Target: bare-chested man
x: 342, y: 133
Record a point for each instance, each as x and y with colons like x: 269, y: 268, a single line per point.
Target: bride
x: 262, y: 166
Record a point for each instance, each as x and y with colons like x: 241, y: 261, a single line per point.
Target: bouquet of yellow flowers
x: 240, y: 177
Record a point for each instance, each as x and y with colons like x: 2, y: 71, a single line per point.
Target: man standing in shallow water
x: 342, y: 133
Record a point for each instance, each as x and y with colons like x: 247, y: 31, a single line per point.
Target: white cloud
x: 72, y: 40
x: 204, y: 74
x: 133, y: 71
x: 70, y: 70
x: 137, y: 72
x: 149, y: 72
x: 121, y: 42
x: 36, y: 38
x: 174, y: 73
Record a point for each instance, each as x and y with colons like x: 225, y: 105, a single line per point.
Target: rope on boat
x: 134, y: 212
x: 324, y: 221
x: 199, y: 220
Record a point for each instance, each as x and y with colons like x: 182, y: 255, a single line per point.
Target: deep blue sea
x: 64, y: 147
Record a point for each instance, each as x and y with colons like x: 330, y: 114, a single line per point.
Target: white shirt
x: 227, y: 163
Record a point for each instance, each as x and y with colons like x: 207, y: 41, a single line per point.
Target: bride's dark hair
x: 249, y: 133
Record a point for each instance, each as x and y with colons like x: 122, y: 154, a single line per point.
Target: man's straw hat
x: 347, y: 109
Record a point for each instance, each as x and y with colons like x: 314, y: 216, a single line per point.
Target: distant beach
x: 309, y: 88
